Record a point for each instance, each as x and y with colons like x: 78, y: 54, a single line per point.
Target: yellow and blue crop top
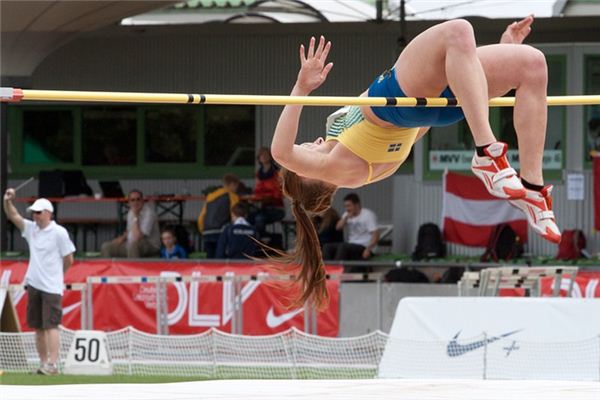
x: 372, y: 143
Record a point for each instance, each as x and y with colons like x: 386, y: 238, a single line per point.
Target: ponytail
x: 312, y: 197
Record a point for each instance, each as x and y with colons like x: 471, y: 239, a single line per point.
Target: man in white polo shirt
x: 142, y: 236
x: 363, y: 235
x: 50, y: 254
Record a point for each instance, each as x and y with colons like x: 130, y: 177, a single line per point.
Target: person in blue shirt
x: 238, y: 239
x: 169, y: 248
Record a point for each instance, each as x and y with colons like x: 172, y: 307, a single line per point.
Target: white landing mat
x: 314, y: 389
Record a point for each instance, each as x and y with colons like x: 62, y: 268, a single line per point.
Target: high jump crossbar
x: 16, y: 95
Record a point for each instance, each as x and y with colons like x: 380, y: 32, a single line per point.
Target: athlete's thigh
x: 504, y: 66
x: 420, y: 68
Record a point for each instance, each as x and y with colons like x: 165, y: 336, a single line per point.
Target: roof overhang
x: 302, y: 11
x: 30, y: 30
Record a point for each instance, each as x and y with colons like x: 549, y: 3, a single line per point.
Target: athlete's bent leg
x: 446, y: 55
x: 528, y: 75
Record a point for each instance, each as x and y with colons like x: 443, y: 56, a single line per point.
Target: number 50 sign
x: 88, y: 355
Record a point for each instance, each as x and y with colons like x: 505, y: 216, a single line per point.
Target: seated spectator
x: 362, y: 232
x: 267, y: 193
x: 170, y: 249
x: 141, y: 237
x: 326, y: 227
x: 216, y: 213
x: 238, y: 239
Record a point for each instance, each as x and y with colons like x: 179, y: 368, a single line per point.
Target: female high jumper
x: 367, y: 144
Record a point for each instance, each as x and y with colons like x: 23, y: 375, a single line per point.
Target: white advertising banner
x: 575, y: 187
x: 460, y: 160
x: 494, y: 338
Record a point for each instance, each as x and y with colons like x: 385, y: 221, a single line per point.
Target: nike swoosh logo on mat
x: 454, y: 349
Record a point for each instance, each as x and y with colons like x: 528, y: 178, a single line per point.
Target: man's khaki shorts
x: 44, y: 310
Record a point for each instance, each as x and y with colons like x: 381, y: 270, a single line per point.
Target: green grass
x: 221, y: 372
x: 31, y: 379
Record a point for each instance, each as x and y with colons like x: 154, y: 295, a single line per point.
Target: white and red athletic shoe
x: 538, y: 208
x: 496, y: 174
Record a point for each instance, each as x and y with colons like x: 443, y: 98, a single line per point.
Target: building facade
x: 168, y: 149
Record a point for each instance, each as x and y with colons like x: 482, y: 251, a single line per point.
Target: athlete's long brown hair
x: 308, y: 198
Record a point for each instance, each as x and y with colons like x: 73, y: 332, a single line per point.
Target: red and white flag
x: 470, y: 213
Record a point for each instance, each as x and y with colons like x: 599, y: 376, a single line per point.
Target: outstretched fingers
x: 326, y: 70
x: 517, y: 31
x: 302, y: 54
x: 521, y: 29
x: 325, y: 52
x: 311, y: 48
x: 313, y: 70
x: 320, y: 48
x: 524, y: 23
x: 319, y: 53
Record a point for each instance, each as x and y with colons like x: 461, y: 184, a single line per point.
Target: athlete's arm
x: 313, y: 73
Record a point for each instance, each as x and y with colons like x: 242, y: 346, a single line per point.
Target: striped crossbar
x: 8, y: 94
x: 67, y: 286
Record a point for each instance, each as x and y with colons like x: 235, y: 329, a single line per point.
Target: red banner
x: 192, y: 307
x: 585, y: 285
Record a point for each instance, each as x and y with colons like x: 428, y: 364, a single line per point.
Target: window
x: 592, y: 113
x: 229, y: 138
x: 127, y: 141
x: 171, y: 135
x: 109, y: 136
x: 48, y: 137
x: 452, y: 146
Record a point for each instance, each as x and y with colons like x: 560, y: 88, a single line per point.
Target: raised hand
x: 9, y: 194
x: 517, y: 31
x: 313, y: 70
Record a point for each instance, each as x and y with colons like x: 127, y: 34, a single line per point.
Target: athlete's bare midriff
x: 353, y: 171
x: 378, y: 168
